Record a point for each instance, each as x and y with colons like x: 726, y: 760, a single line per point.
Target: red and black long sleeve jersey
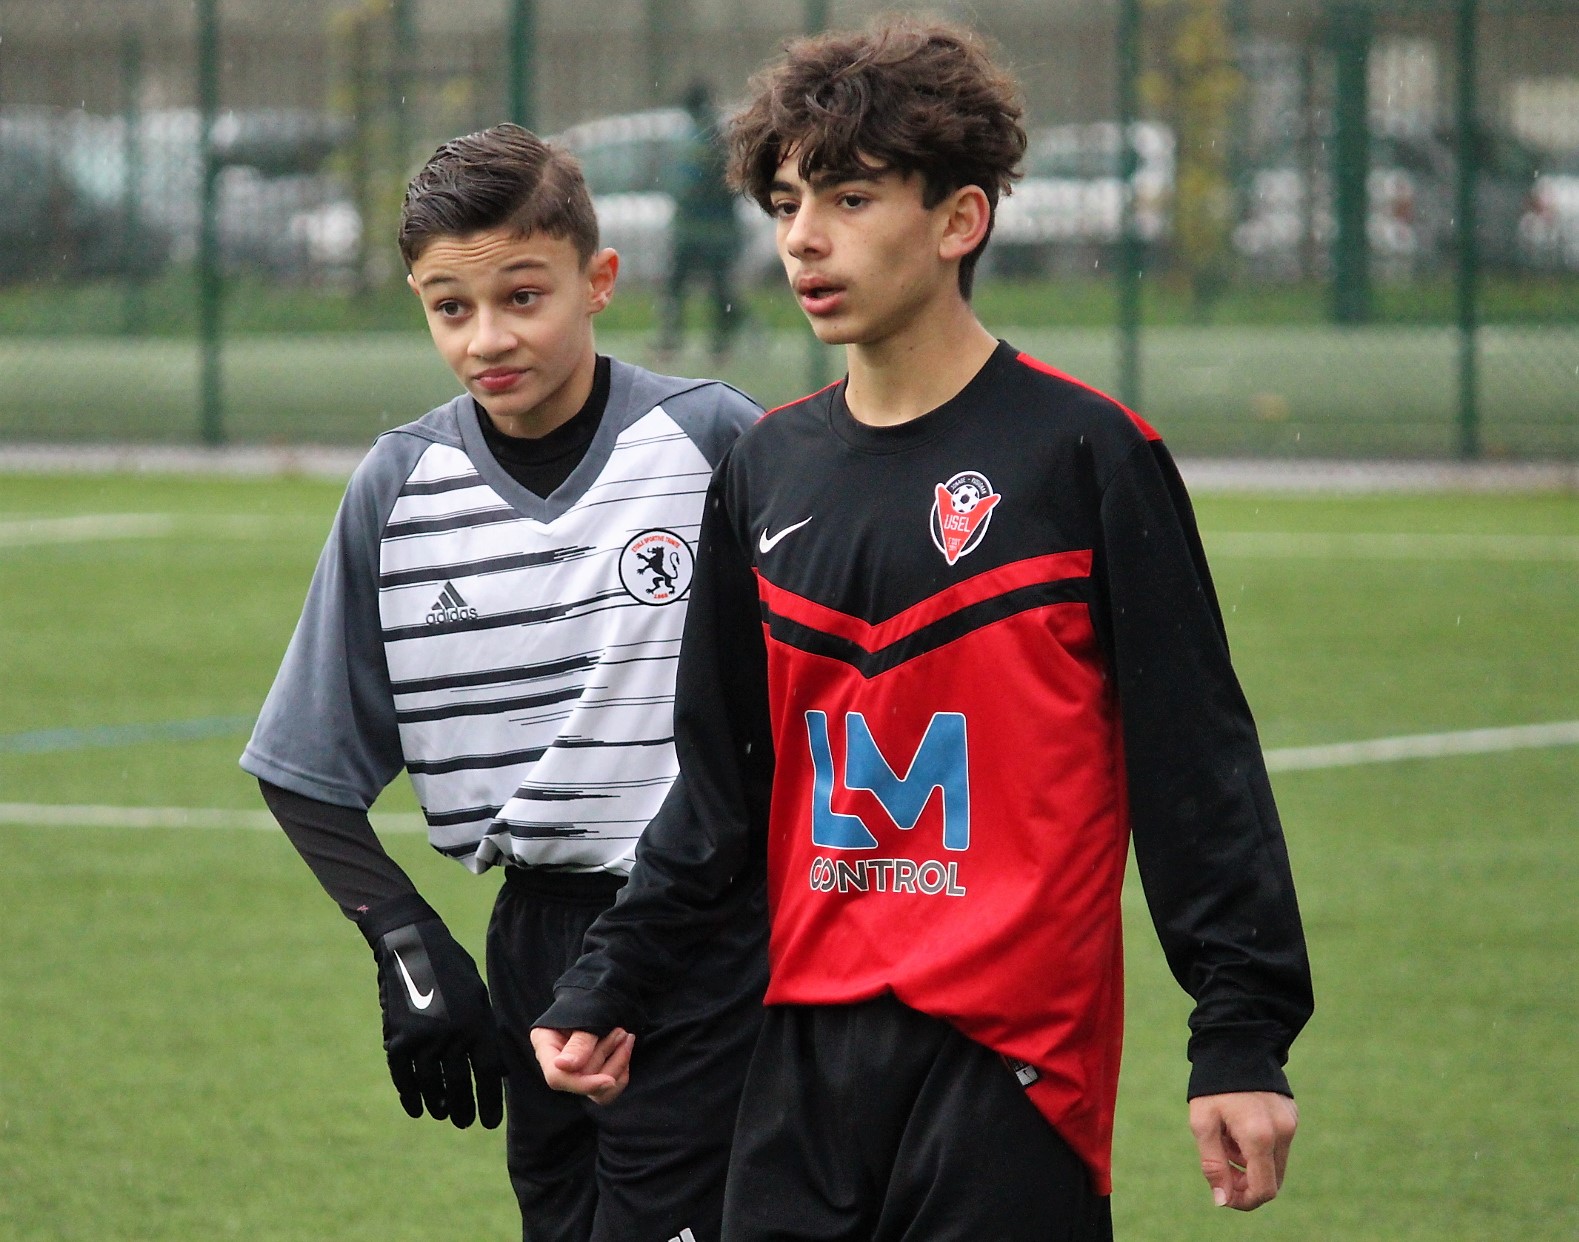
x: 935, y: 677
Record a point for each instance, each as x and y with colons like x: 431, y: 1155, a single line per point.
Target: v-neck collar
x: 546, y: 509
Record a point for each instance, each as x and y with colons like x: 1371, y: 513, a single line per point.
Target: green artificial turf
x: 189, y: 1032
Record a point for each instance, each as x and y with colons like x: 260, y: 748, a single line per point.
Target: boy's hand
x: 439, y: 1032
x: 585, y: 1064
x: 1243, y: 1138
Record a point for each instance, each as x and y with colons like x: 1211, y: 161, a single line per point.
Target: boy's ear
x: 967, y: 217
x: 411, y: 283
x: 603, y: 270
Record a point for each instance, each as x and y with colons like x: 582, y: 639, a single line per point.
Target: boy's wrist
x: 1223, y: 1062
x: 584, y: 1009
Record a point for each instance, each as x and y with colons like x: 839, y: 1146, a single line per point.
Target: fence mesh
x: 1324, y: 229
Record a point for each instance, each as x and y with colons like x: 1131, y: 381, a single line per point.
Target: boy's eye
x: 851, y: 199
x: 783, y: 209
x: 449, y: 308
x: 524, y: 297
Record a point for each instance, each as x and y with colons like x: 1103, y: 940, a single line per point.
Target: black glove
x: 439, y: 1029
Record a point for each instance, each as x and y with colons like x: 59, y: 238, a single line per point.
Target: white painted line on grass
x: 93, y: 527
x: 49, y: 815
x: 1201, y: 474
x: 1278, y: 545
x: 1423, y: 746
x: 84, y: 527
x: 1286, y: 759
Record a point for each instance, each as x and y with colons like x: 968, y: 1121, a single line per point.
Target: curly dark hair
x: 907, y: 94
x: 503, y: 176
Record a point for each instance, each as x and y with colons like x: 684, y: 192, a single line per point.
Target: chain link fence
x: 1303, y: 229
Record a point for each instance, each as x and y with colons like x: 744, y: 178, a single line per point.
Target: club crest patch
x: 655, y: 567
x: 961, y: 511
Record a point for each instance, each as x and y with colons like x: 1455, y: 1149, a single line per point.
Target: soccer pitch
x: 189, y: 1030
x: 1285, y: 391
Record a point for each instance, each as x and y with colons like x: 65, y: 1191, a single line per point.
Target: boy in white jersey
x: 498, y: 611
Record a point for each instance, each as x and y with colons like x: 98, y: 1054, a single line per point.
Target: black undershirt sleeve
x: 339, y: 844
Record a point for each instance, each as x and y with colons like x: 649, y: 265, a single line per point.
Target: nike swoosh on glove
x: 439, y: 1031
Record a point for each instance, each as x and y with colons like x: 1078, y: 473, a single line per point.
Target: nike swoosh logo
x: 420, y: 1000
x: 767, y: 543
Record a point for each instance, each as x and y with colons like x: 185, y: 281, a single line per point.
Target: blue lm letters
x: 939, y: 763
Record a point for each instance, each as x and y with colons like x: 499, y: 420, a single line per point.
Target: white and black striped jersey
x: 514, y: 653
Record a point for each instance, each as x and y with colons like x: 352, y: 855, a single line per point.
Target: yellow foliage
x: 1194, y: 85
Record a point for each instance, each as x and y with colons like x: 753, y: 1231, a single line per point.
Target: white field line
x: 50, y: 815
x: 1423, y: 746
x: 1276, y: 545
x: 1203, y: 475
x: 84, y: 527
x: 93, y: 527
x: 1287, y: 759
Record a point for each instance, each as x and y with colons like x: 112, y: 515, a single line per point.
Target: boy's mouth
x: 498, y: 379
x: 818, y: 295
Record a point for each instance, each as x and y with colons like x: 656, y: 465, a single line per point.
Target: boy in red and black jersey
x: 952, y: 642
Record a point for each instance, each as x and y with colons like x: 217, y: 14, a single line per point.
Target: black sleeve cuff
x: 377, y: 921
x: 581, y: 1009
x: 1221, y: 1063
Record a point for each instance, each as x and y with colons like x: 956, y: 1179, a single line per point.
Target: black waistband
x: 600, y: 886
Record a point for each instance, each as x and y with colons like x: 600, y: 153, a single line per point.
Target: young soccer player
x: 962, y: 646
x: 498, y: 610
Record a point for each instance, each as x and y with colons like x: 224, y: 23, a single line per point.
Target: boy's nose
x: 492, y: 336
x: 805, y: 235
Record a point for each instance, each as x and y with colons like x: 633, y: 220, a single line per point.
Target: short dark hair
x: 907, y: 95
x: 500, y: 176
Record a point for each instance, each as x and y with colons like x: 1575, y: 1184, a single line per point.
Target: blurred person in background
x: 706, y: 236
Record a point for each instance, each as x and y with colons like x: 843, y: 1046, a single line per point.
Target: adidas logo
x: 685, y: 1235
x: 450, y: 607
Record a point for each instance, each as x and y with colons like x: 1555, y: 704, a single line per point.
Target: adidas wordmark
x: 450, y: 607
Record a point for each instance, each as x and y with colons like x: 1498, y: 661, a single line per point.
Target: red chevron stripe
x: 1146, y: 429
x: 983, y: 586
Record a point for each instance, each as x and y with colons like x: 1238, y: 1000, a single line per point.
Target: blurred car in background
x: 279, y: 212
x: 1069, y: 205
x: 58, y: 223
x: 633, y: 163
x: 1413, y: 194
x: 1071, y: 194
x: 1550, y: 232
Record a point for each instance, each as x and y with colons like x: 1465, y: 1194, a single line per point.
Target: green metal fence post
x: 132, y: 310
x: 523, y: 63
x: 658, y: 21
x: 1350, y: 33
x: 359, y: 52
x: 1468, y: 284
x: 817, y: 374
x: 1129, y: 247
x: 210, y: 292
x: 403, y: 33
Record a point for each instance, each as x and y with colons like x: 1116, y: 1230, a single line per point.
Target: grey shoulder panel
x: 711, y: 412
x: 440, y: 425
x: 327, y: 729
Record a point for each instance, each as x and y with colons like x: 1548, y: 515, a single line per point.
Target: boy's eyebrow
x: 520, y: 265
x: 831, y: 180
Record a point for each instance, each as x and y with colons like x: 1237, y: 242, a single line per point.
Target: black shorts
x: 875, y: 1123
x: 650, y: 1166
